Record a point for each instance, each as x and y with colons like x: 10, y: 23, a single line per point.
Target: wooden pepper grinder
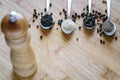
x: 15, y: 28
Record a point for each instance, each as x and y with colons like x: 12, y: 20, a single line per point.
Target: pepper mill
x: 15, y: 28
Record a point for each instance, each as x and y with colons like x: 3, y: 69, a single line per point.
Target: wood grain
x: 60, y: 56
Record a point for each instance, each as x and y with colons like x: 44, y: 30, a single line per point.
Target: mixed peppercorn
x: 89, y: 19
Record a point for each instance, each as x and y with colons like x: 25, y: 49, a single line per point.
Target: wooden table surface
x: 60, y: 56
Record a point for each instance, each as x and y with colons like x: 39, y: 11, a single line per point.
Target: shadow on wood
x: 88, y: 32
x: 16, y: 77
x: 67, y: 37
x: 109, y: 39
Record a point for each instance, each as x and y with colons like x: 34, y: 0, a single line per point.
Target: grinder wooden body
x: 15, y: 28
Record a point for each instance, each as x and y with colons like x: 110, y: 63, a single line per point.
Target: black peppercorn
x: 98, y: 20
x: 41, y: 37
x: 100, y: 34
x: 106, y: 11
x: 82, y: 15
x: 38, y: 14
x: 33, y: 20
x: 116, y: 38
x: 60, y: 13
x: 87, y: 7
x: 34, y: 10
x: 29, y: 25
x: 97, y: 30
x: 101, y: 41
x: 41, y: 13
x: 78, y: 16
x: 77, y: 39
x: 83, y: 9
x: 73, y: 20
x: 79, y: 27
x: 37, y: 26
x: 63, y: 10
x: 65, y: 17
x: 51, y: 14
x: 93, y: 11
x: 56, y: 28
x: 50, y: 4
x: 75, y: 14
x: 45, y: 9
x: 34, y: 15
x: 105, y: 18
x: 59, y: 22
x: 50, y: 28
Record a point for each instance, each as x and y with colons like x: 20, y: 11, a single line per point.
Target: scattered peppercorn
x: 82, y: 15
x: 41, y: 13
x: 97, y: 30
x: 98, y: 20
x: 106, y: 11
x: 65, y: 17
x: 73, y: 20
x: 33, y: 20
x: 93, y: 11
x: 79, y: 27
x: 50, y: 4
x: 51, y: 14
x: 60, y: 22
x: 78, y: 16
x: 41, y: 37
x: 29, y: 25
x: 101, y: 41
x: 33, y: 15
x: 34, y: 10
x: 116, y: 38
x: 56, y: 28
x: 83, y: 9
x: 104, y: 18
x: 50, y: 28
x: 77, y: 39
x: 75, y: 14
x: 45, y: 9
x: 60, y: 13
x: 98, y: 23
x: 87, y: 7
x: 100, y: 34
x: 104, y: 1
x: 38, y: 14
x: 63, y: 10
x: 37, y: 26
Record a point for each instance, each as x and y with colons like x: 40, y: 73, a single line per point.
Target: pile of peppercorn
x: 89, y: 20
x: 46, y: 20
